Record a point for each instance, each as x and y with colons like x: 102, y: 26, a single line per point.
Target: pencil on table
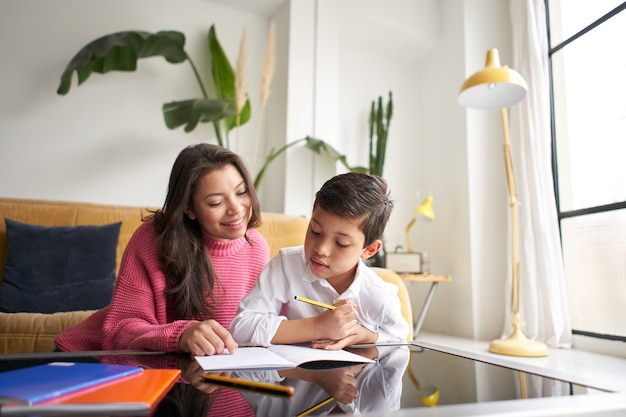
x: 315, y: 407
x: 248, y: 385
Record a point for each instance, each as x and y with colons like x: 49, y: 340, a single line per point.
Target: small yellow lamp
x: 428, y: 396
x: 412, y: 262
x: 492, y: 88
x: 425, y: 209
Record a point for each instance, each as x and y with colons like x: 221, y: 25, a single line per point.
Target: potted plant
x: 121, y: 51
x: 379, y: 120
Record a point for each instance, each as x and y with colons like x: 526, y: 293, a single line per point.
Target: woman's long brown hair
x: 185, y: 261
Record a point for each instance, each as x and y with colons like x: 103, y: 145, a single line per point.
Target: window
x: 588, y: 64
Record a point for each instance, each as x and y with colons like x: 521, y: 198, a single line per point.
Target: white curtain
x: 543, y: 303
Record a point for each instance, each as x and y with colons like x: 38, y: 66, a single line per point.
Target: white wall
x: 444, y: 173
x: 488, y: 196
x: 358, y: 88
x: 106, y: 140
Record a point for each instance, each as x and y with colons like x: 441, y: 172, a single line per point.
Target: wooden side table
x: 434, y: 280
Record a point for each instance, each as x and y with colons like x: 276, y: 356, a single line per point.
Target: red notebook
x: 43, y: 383
x: 138, y: 394
x: 149, y: 387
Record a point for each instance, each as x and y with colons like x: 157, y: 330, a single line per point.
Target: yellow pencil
x: 315, y: 407
x: 315, y: 303
x: 248, y: 385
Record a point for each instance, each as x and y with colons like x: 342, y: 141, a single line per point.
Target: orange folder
x: 149, y: 387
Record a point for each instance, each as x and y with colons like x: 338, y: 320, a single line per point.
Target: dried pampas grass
x: 241, y: 82
x: 266, y: 81
x: 268, y: 68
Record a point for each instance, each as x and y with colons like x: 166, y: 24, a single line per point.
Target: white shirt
x: 287, y: 275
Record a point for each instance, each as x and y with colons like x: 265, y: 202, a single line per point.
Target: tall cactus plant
x: 379, y: 130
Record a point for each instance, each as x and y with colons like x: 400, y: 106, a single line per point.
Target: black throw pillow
x: 54, y: 269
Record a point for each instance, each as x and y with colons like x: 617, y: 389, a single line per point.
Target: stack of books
x: 83, y: 388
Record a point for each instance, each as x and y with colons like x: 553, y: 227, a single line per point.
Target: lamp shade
x: 426, y: 208
x: 493, y: 87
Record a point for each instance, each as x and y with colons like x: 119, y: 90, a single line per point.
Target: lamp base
x: 518, y: 345
x: 429, y: 396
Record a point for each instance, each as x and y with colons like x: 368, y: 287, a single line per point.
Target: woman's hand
x: 192, y: 372
x: 206, y: 338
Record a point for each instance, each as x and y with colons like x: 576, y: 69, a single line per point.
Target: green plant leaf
x: 268, y: 160
x: 191, y: 112
x: 389, y: 113
x: 372, y: 123
x: 381, y: 140
x: 120, y: 52
x: 318, y: 145
x: 224, y: 79
x: 246, y: 111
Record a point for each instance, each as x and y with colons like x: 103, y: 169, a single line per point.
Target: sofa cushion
x: 54, y: 269
x: 35, y: 332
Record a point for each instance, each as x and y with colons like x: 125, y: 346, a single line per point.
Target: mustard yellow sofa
x: 35, y: 332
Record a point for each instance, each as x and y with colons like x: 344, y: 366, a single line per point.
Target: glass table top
x: 402, y: 377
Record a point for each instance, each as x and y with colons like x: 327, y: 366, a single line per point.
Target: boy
x: 350, y: 213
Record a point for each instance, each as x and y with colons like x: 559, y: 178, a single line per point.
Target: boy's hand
x: 340, y: 383
x: 333, y: 344
x: 338, y: 323
x: 362, y: 335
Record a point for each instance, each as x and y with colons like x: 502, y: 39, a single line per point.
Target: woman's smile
x: 234, y: 224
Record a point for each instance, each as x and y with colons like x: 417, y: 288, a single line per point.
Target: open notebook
x: 276, y: 357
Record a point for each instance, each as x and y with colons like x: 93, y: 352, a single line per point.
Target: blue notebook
x: 44, y: 382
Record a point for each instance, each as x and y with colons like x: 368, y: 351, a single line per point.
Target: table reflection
x: 400, y: 377
x: 349, y: 389
x: 191, y: 397
x: 437, y: 378
x: 318, y: 389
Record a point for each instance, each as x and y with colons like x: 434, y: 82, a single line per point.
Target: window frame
x: 555, y: 172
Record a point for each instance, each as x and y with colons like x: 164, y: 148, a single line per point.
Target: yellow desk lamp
x: 497, y: 87
x: 425, y: 209
x: 428, y: 396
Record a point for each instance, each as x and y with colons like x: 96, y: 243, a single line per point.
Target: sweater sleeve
x: 137, y: 316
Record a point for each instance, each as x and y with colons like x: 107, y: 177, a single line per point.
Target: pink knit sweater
x: 137, y: 317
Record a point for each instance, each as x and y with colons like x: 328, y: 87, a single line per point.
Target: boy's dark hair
x: 358, y: 196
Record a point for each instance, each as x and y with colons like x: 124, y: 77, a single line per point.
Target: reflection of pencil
x: 315, y: 303
x: 246, y: 384
x: 315, y: 407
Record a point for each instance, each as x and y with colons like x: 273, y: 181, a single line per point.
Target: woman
x: 187, y: 266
